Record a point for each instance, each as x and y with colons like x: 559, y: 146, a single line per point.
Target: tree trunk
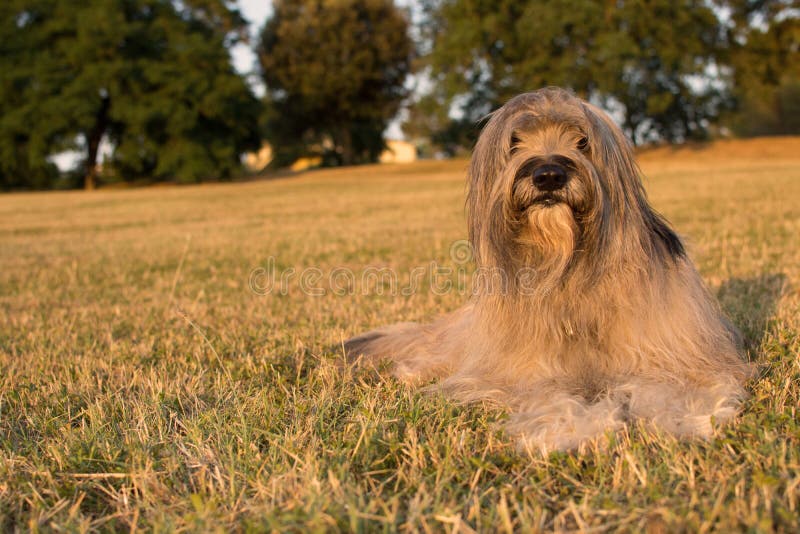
x: 345, y: 142
x: 93, y: 139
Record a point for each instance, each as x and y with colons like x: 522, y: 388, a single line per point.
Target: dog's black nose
x: 550, y: 177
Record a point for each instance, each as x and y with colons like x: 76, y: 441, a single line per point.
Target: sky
x: 256, y: 12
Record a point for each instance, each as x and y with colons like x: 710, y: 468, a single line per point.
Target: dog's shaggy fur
x: 591, y: 313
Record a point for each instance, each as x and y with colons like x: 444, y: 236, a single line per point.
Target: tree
x: 334, y: 72
x: 764, y: 54
x: 151, y: 77
x: 663, y: 67
x: 651, y: 59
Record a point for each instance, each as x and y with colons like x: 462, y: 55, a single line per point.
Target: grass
x: 146, y: 386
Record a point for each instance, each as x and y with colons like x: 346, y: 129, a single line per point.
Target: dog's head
x: 551, y: 175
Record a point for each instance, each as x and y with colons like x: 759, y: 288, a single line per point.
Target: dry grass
x: 145, y: 386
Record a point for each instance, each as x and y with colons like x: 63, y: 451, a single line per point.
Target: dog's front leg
x: 416, y: 352
x: 413, y: 351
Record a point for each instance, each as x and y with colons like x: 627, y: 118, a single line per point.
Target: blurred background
x: 116, y: 92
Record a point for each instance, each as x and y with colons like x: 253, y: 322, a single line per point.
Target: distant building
x: 258, y: 161
x: 396, y: 152
x: 305, y: 163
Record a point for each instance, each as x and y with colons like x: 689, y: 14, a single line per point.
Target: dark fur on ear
x: 659, y: 238
x: 664, y: 237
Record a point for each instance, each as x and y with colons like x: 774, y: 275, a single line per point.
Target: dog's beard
x: 547, y: 238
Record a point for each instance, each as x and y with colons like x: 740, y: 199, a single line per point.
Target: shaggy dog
x: 587, y: 312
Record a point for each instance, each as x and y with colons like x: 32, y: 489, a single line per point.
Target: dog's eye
x: 514, y: 140
x: 583, y: 143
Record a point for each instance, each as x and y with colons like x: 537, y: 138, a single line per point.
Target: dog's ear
x: 485, y: 198
x: 615, y: 153
x: 661, y: 234
x: 614, y: 159
x: 611, y: 148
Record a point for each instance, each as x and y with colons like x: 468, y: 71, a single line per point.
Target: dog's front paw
x: 687, y: 411
x: 566, y: 424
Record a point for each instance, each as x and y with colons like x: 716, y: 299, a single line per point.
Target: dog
x: 589, y: 313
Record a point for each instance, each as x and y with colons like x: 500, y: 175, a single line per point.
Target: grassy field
x: 148, y: 379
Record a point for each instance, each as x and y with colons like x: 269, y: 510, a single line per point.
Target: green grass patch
x: 146, y: 385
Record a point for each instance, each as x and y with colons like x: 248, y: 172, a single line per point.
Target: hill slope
x: 155, y: 375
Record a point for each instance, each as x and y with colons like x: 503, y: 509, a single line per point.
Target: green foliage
x: 660, y: 64
x: 663, y: 64
x: 153, y: 77
x: 23, y: 150
x: 766, y: 69
x: 334, y: 72
x: 769, y: 110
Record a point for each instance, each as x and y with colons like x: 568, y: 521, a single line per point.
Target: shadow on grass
x: 750, y: 303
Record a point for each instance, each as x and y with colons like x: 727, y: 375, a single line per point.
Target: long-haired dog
x: 587, y: 312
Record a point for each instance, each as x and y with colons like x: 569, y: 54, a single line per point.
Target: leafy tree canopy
x: 664, y: 65
x: 152, y: 77
x: 334, y: 72
x: 764, y: 54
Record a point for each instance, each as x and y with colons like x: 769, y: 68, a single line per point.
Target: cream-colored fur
x: 601, y: 317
